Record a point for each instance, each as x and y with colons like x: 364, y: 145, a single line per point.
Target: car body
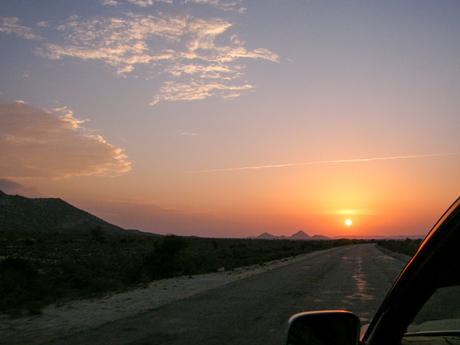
x: 436, y: 265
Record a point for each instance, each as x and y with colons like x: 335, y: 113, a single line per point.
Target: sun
x: 348, y: 222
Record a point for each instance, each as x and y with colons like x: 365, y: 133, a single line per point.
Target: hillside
x: 21, y: 214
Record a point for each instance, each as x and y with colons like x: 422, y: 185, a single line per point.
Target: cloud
x: 53, y: 144
x: 179, y: 49
x: 142, y: 3
x: 188, y: 52
x: 43, y: 24
x: 336, y: 161
x: 183, y: 51
x: 13, y: 187
x: 225, y: 5
x: 12, y: 26
x: 118, y: 42
x: 197, y: 90
x: 211, y: 71
x: 139, y: 3
x: 110, y: 2
x: 187, y: 133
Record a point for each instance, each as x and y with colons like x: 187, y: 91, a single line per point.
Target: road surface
x: 255, y: 310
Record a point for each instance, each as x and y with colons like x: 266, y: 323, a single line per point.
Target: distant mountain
x: 300, y: 235
x: 319, y: 237
x: 21, y: 214
x: 267, y: 236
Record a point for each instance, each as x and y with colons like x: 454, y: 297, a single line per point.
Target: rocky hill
x: 21, y: 214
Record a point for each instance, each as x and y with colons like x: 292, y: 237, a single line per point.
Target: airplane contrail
x: 323, y: 162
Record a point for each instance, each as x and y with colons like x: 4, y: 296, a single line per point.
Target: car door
x: 434, y: 271
x: 423, y: 306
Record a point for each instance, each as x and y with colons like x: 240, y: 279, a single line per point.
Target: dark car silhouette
x: 422, y: 307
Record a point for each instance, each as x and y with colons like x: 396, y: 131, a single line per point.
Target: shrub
x: 407, y: 246
x: 20, y: 284
x: 97, y: 234
x: 164, y: 261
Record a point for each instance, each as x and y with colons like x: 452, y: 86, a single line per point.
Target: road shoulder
x: 57, y: 321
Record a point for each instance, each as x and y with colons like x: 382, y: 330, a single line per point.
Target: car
x: 422, y: 307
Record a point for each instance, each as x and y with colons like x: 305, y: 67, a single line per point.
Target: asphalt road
x: 255, y: 310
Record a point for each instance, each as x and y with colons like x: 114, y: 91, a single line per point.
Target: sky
x: 229, y: 118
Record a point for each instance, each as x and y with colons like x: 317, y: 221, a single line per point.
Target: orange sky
x: 233, y: 118
x: 384, y: 198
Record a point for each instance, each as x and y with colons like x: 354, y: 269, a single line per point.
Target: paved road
x: 255, y: 310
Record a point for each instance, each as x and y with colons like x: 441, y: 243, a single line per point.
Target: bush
x: 164, y: 261
x: 65, y: 266
x: 20, y: 284
x: 97, y: 234
x: 407, y: 246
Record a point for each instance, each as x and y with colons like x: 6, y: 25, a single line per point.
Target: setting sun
x: 192, y: 118
x: 156, y: 147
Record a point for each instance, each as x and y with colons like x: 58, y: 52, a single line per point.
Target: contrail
x: 323, y: 162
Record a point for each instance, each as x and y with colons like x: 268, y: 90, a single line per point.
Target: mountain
x: 319, y: 237
x: 267, y: 236
x: 300, y: 235
x: 21, y: 214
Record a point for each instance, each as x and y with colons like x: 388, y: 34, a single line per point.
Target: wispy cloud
x: 216, y: 71
x: 185, y: 133
x: 110, y: 2
x: 142, y: 3
x: 197, y: 90
x: 12, y: 26
x: 138, y: 3
x: 182, y: 49
x: 329, y: 162
x: 119, y: 42
x: 43, y: 24
x: 53, y: 144
x: 225, y: 5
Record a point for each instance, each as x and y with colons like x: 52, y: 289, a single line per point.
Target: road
x: 255, y: 310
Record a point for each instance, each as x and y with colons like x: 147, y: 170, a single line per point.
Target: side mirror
x: 335, y: 327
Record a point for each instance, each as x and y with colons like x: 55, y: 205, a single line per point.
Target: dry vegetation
x: 37, y: 269
x: 407, y: 246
